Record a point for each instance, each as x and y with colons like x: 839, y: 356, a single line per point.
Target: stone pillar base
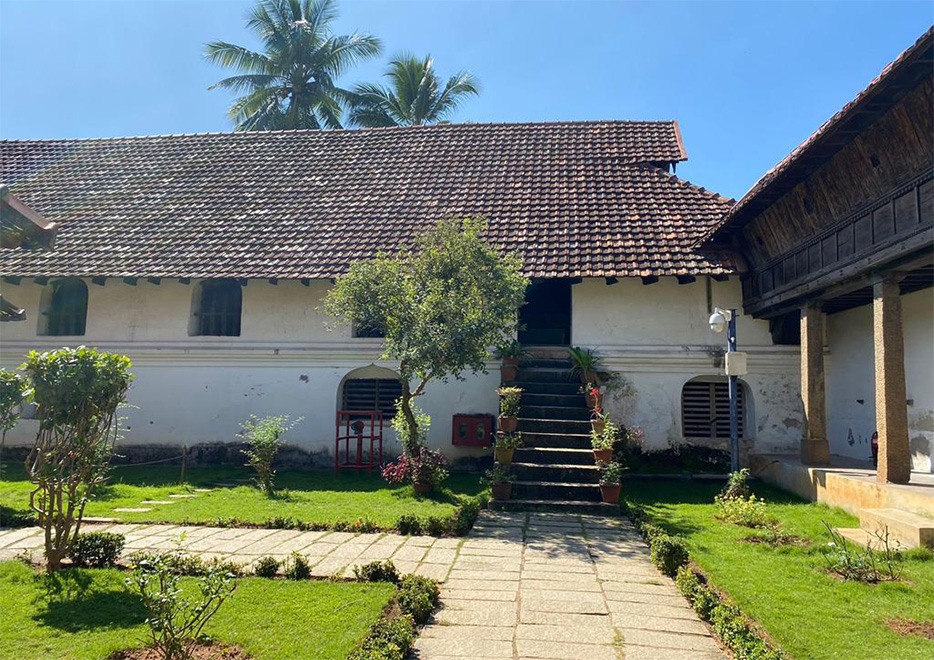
x: 815, y: 451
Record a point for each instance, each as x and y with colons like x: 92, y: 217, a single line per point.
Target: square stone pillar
x: 815, y: 449
x: 891, y: 397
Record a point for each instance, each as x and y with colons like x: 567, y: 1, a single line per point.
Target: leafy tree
x: 77, y: 392
x: 264, y: 439
x: 291, y: 84
x: 415, y: 95
x: 13, y: 389
x: 441, y: 306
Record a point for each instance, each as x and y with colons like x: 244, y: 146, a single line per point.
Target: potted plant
x: 510, y: 355
x: 505, y: 445
x: 611, y: 474
x: 585, y: 364
x: 425, y: 469
x: 593, y: 395
x: 509, y: 408
x: 599, y: 421
x: 501, y: 482
x: 602, y: 442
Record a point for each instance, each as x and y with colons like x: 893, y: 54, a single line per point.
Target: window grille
x: 372, y: 394
x: 705, y: 410
x: 219, y: 309
x: 67, y: 311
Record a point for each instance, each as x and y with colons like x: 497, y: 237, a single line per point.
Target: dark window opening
x: 786, y: 329
x: 545, y: 318
x: 218, y: 309
x: 67, y: 309
x: 705, y: 410
x: 372, y: 394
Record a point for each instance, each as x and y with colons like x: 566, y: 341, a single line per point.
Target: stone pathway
x: 561, y: 587
x: 521, y: 586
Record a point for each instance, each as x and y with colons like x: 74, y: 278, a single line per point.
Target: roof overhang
x: 21, y: 226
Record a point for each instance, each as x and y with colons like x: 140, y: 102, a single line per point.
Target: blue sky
x: 747, y: 81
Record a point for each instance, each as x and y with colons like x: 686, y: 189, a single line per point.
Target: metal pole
x: 734, y: 402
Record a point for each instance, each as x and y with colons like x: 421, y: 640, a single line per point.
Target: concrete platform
x: 848, y: 484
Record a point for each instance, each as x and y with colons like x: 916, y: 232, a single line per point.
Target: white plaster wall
x: 851, y: 409
x: 658, y: 338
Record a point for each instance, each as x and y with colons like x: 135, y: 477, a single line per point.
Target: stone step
x: 546, y: 363
x: 556, y: 472
x: 536, y: 387
x: 548, y: 375
x: 555, y: 455
x: 555, y: 412
x: 907, y: 528
x: 538, y: 425
x: 560, y: 400
x: 556, y: 490
x: 567, y: 506
x: 856, y: 535
x: 538, y: 440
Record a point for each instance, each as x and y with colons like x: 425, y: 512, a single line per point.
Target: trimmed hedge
x: 97, y: 549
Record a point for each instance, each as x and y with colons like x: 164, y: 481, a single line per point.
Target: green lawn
x: 312, y: 496
x: 313, y: 620
x: 808, y: 613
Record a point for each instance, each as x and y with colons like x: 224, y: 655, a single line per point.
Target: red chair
x: 359, y: 426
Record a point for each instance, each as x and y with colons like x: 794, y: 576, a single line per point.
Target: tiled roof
x: 576, y: 199
x: 835, y: 133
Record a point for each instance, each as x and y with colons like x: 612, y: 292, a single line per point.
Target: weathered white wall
x: 657, y: 336
x: 198, y: 389
x: 851, y: 409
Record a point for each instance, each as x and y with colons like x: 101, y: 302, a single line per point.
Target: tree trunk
x: 409, y: 443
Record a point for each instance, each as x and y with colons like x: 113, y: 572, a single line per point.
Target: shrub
x: 668, y: 553
x: 175, y: 620
x: 97, y: 549
x: 263, y: 435
x: 424, y: 465
x: 418, y: 597
x: 746, y: 512
x: 876, y: 562
x: 281, y: 522
x: 611, y: 473
x: 508, y: 440
x: 266, y: 567
x: 434, y: 526
x: 388, y: 639
x: 408, y: 525
x: 298, y: 568
x: 498, y: 474
x: 606, y: 438
x: 77, y: 392
x: 13, y: 389
x: 464, y: 517
x: 509, y: 401
x: 699, y: 596
x: 184, y: 564
x: 736, y: 487
x: 377, y: 571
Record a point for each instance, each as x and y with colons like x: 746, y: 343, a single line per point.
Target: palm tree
x: 291, y: 84
x: 415, y: 95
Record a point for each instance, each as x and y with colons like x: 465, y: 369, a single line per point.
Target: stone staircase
x: 909, y: 530
x: 555, y: 467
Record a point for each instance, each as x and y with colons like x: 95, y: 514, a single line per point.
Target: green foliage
x: 611, y: 474
x: 418, y: 597
x: 388, y: 639
x: 880, y: 560
x: 415, y: 95
x: 291, y: 83
x: 736, y: 486
x: 607, y: 438
x: 408, y: 524
x: 377, y: 571
x: 401, y: 426
x: 264, y: 437
x: 585, y: 361
x: 298, y: 567
x: 464, y: 517
x: 510, y: 401
x: 508, y: 440
x: 499, y: 474
x: 435, y: 526
x: 97, y: 549
x: 184, y: 564
x: 13, y: 389
x: 750, y: 512
x: 77, y: 392
x: 511, y: 349
x: 266, y: 567
x: 668, y: 553
x: 176, y: 620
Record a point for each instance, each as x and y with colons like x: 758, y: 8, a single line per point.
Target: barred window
x: 705, y: 410
x: 216, y: 309
x: 64, y: 308
x: 372, y: 394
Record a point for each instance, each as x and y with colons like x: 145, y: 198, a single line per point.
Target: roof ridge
x: 338, y: 131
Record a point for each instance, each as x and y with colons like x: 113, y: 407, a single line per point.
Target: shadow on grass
x: 73, y: 606
x: 10, y: 517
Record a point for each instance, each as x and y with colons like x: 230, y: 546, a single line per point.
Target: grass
x: 311, y: 496
x: 808, y: 612
x: 314, y: 620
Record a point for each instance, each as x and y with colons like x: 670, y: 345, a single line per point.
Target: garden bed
x: 787, y: 589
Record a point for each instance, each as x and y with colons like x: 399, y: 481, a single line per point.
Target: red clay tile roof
x: 576, y: 199
x: 834, y: 134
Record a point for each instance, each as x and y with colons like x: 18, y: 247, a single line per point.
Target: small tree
x: 77, y: 393
x: 441, y: 306
x: 264, y: 439
x: 13, y: 389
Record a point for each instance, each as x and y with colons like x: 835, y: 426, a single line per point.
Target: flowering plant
x: 424, y: 466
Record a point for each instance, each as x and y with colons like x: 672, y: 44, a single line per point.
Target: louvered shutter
x: 372, y: 394
x: 705, y: 410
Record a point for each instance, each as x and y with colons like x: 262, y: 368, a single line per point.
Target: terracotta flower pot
x: 610, y: 493
x: 594, y: 402
x: 510, y: 362
x: 422, y: 487
x: 603, y: 455
x: 508, y: 424
x: 508, y: 373
x: 503, y: 456
x: 502, y: 491
x: 598, y: 425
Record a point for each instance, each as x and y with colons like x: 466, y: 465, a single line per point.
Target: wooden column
x: 891, y: 397
x: 815, y: 450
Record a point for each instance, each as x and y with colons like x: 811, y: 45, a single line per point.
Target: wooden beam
x: 12, y: 280
x: 610, y: 281
x: 41, y: 281
x: 130, y: 280
x: 685, y: 279
x: 184, y: 280
x: 719, y: 278
x: 154, y: 280
x: 651, y: 279
x: 274, y: 281
x: 306, y: 281
x: 99, y: 281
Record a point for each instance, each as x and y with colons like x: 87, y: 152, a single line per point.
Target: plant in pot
x: 585, y: 364
x: 610, y: 476
x: 593, y: 395
x: 505, y: 445
x: 500, y: 480
x: 510, y: 354
x: 425, y: 468
x: 602, y: 442
x: 509, y: 408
